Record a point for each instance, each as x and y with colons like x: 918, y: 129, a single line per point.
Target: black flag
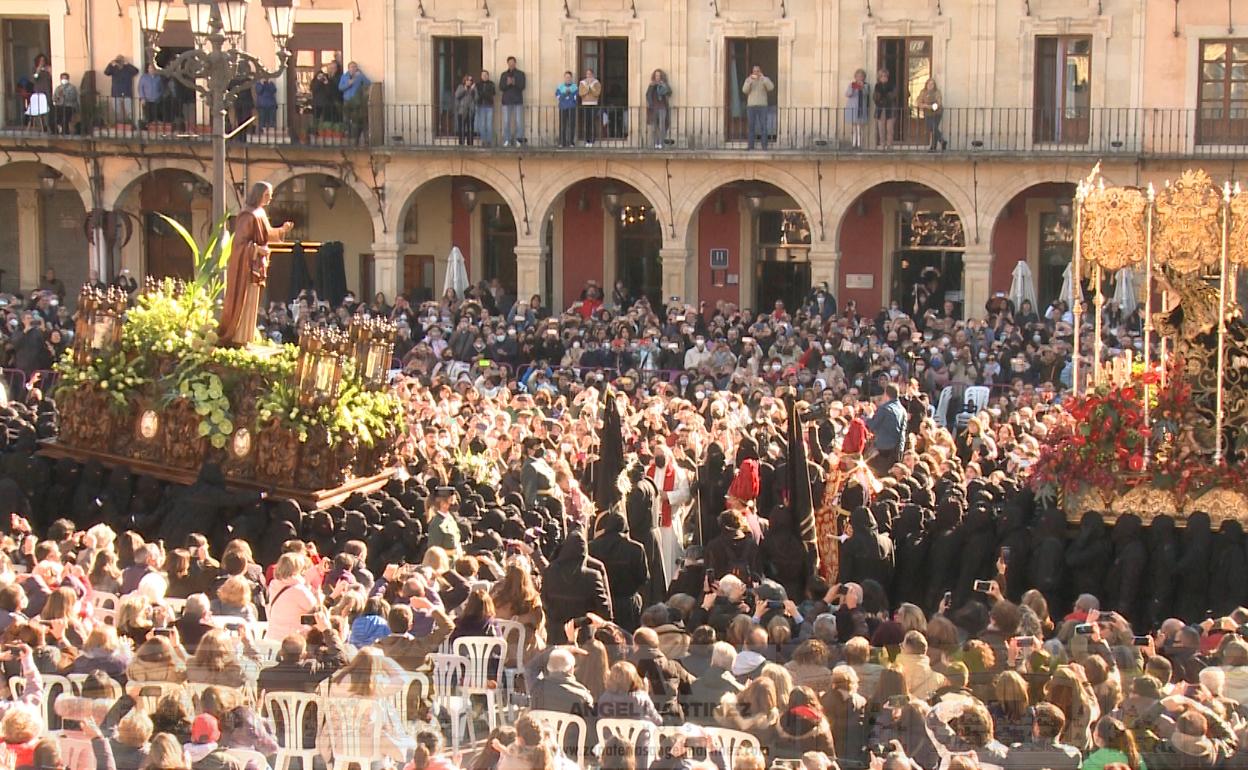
x: 800, y: 501
x: 610, y: 460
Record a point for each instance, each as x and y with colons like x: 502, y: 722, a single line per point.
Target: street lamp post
x: 218, y: 72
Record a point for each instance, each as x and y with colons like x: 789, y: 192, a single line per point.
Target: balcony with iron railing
x: 790, y: 131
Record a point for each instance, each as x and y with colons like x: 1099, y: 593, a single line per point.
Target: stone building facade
x: 1032, y: 94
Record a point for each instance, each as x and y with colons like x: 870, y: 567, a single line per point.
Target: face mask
x: 919, y: 367
x: 827, y: 360
x: 894, y: 373
x: 684, y: 383
x: 64, y: 81
x: 699, y: 395
x: 983, y: 356
x: 701, y: 344
x: 1035, y: 338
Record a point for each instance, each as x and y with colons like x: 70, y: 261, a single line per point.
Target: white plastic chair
x: 54, y: 686
x: 106, y: 606
x: 449, y: 674
x: 268, y: 650
x: 482, y: 652
x: 292, y: 708
x: 976, y: 399
x: 78, y: 679
x: 76, y: 751
x: 559, y: 723
x: 148, y: 694
x: 515, y: 634
x: 630, y: 732
x: 732, y: 741
x: 343, y: 723
x: 942, y: 406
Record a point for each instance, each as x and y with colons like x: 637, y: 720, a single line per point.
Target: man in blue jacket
x: 888, y: 424
x: 353, y: 85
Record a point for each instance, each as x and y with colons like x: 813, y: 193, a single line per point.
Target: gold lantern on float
x: 318, y: 370
x: 98, y: 327
x: 372, y: 346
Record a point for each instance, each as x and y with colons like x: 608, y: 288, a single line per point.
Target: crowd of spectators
x: 614, y: 481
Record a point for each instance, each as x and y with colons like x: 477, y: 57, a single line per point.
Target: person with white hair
x: 558, y: 689
x: 709, y: 689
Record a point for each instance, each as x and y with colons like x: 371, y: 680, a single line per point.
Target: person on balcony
x: 566, y: 96
x: 858, y: 105
x: 511, y: 85
x: 590, y: 91
x: 658, y: 96
x: 932, y: 107
x: 756, y: 89
x: 152, y: 93
x: 885, y: 108
x: 37, y: 108
x: 122, y: 74
x: 266, y: 104
x: 353, y: 85
x: 483, y: 95
x: 465, y: 110
x: 65, y: 105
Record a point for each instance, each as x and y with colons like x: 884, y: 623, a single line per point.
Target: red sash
x: 669, y: 483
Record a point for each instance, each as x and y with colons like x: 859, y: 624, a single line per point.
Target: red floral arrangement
x: 1100, y: 439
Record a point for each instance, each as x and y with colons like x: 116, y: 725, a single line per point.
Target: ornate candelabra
x: 214, y: 70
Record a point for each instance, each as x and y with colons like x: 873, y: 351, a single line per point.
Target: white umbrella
x: 1126, y: 294
x: 1023, y: 287
x: 1067, y: 293
x: 456, y: 273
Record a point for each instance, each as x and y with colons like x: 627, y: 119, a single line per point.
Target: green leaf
x: 186, y: 236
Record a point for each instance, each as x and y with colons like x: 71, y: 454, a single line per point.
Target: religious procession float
x: 1162, y: 433
x: 147, y: 385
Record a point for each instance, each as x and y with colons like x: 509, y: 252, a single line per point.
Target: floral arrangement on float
x: 1108, y: 453
x: 146, y: 382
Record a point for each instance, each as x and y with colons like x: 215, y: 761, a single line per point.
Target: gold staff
x: 1217, y: 415
x: 1076, y: 294
x: 1148, y: 312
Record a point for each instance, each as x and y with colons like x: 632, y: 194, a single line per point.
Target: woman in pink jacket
x: 290, y: 597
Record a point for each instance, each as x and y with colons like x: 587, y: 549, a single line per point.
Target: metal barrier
x: 1100, y: 132
x: 14, y: 383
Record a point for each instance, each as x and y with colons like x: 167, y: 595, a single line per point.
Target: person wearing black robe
x: 713, y: 481
x: 571, y: 589
x: 643, y: 507
x: 1228, y: 588
x: 868, y: 553
x: 911, y: 544
x: 626, y: 564
x: 1193, y: 569
x: 1125, y: 578
x: 201, y: 507
x: 1088, y: 557
x: 945, y: 552
x: 978, y: 557
x: 784, y: 555
x: 1163, y: 560
x: 733, y: 550
x: 85, y: 509
x: 1048, y: 559
x: 60, y: 493
x: 1012, y: 534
